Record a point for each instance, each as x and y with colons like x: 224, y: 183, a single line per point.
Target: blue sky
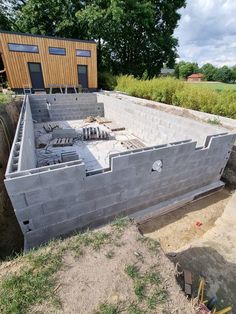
x: 207, y: 32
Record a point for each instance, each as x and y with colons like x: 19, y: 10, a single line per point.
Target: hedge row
x: 175, y: 92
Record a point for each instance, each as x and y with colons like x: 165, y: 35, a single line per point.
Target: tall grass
x: 175, y: 92
x: 4, y: 98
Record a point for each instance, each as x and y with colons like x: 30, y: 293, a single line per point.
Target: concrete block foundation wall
x: 22, y: 154
x: 57, y: 200
x: 57, y: 107
x: 27, y: 158
x: 154, y: 126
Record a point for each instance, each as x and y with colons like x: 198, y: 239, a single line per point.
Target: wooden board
x: 133, y: 144
x: 188, y: 282
x: 57, y: 69
x: 102, y: 120
x: 61, y: 142
x: 114, y: 127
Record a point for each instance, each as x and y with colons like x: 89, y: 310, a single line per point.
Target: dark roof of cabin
x: 50, y: 37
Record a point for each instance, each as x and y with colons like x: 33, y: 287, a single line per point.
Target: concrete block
x: 115, y: 210
x: 26, y: 226
x: 67, y: 189
x: 73, y: 173
x: 34, y: 239
x: 119, y: 162
x: 98, y: 180
x: 80, y: 208
x: 19, y: 201
x: 108, y: 200
x: 48, y: 220
x: 22, y: 184
x: 58, y: 133
x: 29, y: 212
x: 38, y: 196
x: 58, y: 203
x: 124, y: 174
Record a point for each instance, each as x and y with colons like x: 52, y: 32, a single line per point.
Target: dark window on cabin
x: 23, y: 48
x: 83, y: 53
x: 57, y: 51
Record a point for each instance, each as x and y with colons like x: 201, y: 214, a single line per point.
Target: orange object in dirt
x: 198, y: 224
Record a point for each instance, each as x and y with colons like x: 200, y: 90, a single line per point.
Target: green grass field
x: 215, y: 86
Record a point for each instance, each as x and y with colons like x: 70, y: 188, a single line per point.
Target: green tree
x: 56, y: 18
x: 177, y: 67
x: 187, y: 69
x: 5, y: 23
x: 132, y: 35
x: 233, y: 70
x: 223, y: 74
x: 209, y: 71
x: 8, y: 11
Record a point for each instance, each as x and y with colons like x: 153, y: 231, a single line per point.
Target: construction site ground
x: 111, y: 270
x: 201, y: 237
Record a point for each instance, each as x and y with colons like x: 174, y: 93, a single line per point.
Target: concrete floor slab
x: 94, y: 153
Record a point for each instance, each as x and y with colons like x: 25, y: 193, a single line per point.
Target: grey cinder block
x: 59, y: 199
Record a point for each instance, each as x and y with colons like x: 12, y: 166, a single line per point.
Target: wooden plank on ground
x: 102, y: 120
x: 114, y: 127
x: 188, y: 281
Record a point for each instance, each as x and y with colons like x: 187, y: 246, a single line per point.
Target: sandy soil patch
x: 178, y: 228
x: 98, y: 277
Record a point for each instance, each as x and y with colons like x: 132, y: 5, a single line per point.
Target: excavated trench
x: 200, y: 238
x: 11, y: 240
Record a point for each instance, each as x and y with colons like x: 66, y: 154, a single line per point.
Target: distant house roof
x: 196, y: 75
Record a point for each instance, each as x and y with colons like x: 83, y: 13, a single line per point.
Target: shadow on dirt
x: 218, y: 272
x: 11, y: 238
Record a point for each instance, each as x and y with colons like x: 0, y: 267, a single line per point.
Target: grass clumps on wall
x: 178, y: 93
x: 4, y: 99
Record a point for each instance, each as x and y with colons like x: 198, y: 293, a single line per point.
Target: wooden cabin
x: 196, y: 77
x: 42, y: 62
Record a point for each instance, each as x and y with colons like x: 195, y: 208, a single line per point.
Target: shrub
x: 158, y: 89
x: 4, y: 98
x: 106, y: 81
x: 196, y: 99
x: 176, y: 92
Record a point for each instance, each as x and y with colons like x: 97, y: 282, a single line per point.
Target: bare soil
x: 179, y: 228
x: 11, y: 239
x: 92, y: 279
x: 208, y: 250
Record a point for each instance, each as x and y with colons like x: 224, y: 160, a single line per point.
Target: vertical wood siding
x: 56, y: 69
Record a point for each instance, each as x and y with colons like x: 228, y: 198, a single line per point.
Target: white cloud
x: 207, y: 32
